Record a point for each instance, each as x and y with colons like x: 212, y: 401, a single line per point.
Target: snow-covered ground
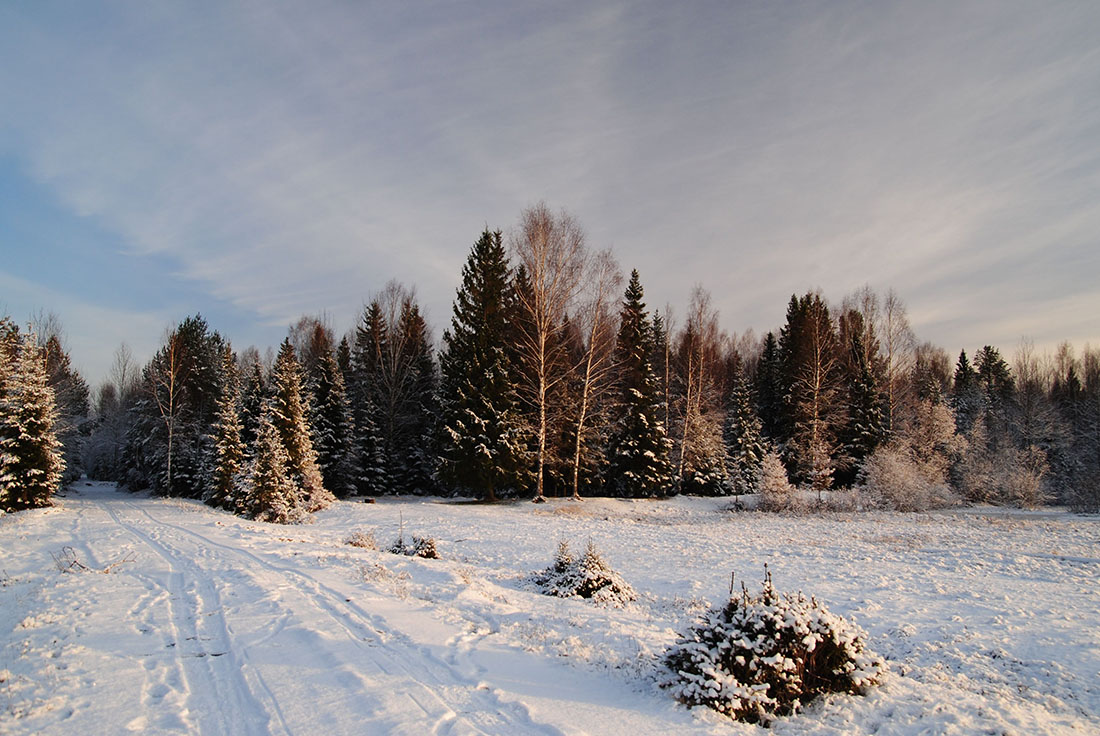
x: 207, y: 623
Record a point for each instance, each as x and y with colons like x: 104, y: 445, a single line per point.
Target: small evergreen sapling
x: 588, y: 577
x: 767, y: 655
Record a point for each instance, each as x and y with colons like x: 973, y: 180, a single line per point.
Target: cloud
x: 294, y: 159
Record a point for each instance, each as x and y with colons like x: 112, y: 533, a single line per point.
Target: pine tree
x: 743, y: 439
x: 638, y: 448
x: 482, y: 445
x: 289, y: 415
x: 31, y: 461
x: 228, y: 450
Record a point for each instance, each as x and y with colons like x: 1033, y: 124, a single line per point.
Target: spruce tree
x: 865, y: 428
x: 289, y: 415
x: 769, y: 389
x: 228, y: 450
x: 332, y: 427
x: 365, y: 392
x: 253, y: 397
x: 31, y: 461
x: 482, y: 442
x: 272, y: 493
x: 638, y: 464
x: 743, y: 437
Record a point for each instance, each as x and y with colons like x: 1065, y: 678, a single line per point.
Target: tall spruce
x: 743, y: 438
x: 31, y: 455
x: 272, y: 494
x: 332, y: 426
x: 289, y: 414
x: 228, y: 449
x: 482, y: 437
x: 365, y: 392
x: 638, y: 448
x: 813, y: 382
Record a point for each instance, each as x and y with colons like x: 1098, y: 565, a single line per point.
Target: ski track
x: 451, y: 703
x: 206, y: 663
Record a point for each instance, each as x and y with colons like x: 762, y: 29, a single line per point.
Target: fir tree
x: 482, y: 445
x: 638, y: 464
x: 228, y: 450
x: 289, y: 415
x: 71, y: 399
x: 31, y: 461
x: 743, y: 439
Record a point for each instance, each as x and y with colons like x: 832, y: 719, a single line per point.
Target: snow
x: 209, y: 623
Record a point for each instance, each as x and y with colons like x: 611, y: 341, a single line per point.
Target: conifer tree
x: 743, y: 439
x: 638, y: 464
x: 31, y: 461
x: 865, y: 427
x: 332, y: 427
x: 289, y: 415
x: 272, y: 493
x: 71, y: 399
x: 482, y: 445
x: 253, y: 397
x: 769, y: 389
x: 813, y: 389
x: 365, y: 392
x: 228, y: 450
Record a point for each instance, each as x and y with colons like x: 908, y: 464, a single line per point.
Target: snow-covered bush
x: 891, y: 479
x: 776, y: 491
x: 588, y: 577
x: 364, y: 540
x: 420, y: 547
x: 767, y: 655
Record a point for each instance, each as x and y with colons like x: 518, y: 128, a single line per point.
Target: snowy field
x: 208, y: 623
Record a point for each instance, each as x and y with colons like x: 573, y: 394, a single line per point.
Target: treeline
x: 555, y: 379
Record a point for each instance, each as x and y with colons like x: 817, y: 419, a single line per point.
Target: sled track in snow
x: 213, y: 671
x: 450, y: 702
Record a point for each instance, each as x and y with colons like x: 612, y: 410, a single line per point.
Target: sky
x: 256, y: 161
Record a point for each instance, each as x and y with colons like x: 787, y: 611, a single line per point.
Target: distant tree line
x: 553, y: 379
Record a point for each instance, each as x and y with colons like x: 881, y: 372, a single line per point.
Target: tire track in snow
x: 203, y: 652
x: 454, y: 703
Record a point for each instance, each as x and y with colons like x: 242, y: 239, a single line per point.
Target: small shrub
x: 764, y: 656
x: 588, y: 577
x: 364, y: 540
x: 420, y: 547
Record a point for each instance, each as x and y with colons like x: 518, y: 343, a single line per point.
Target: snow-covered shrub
x: 588, y: 577
x: 776, y: 491
x: 767, y: 655
x: 365, y: 540
x: 891, y: 479
x: 420, y: 547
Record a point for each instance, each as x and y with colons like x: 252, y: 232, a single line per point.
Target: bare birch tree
x: 551, y: 249
x: 598, y: 322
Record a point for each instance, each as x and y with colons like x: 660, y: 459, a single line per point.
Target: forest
x: 555, y: 379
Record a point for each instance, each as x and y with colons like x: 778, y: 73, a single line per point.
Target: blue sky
x: 257, y: 161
